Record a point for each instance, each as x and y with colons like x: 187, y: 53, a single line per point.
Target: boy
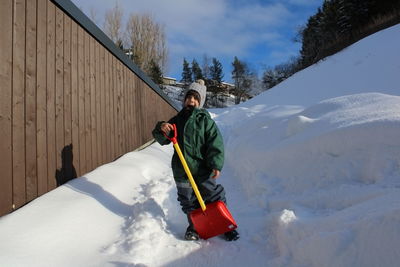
x: 203, y: 148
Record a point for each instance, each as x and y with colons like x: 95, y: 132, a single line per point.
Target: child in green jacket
x: 202, y: 146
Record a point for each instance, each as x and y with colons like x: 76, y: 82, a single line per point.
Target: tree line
x: 336, y: 25
x: 212, y: 73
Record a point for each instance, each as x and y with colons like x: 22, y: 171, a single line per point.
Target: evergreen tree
x: 338, y: 23
x: 352, y: 14
x: 186, y: 73
x: 242, y: 77
x: 216, y: 71
x: 196, y: 71
x: 269, y: 79
x: 377, y: 7
x: 311, y: 40
x: 328, y: 23
x: 155, y: 73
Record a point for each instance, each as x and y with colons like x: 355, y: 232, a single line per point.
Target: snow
x: 312, y: 176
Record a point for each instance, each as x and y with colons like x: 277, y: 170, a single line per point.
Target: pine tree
x: 196, y: 71
x: 311, y: 40
x: 186, y: 73
x: 155, y: 73
x: 328, y: 23
x: 242, y: 77
x: 216, y: 71
x: 352, y: 14
x: 338, y: 23
x: 269, y: 79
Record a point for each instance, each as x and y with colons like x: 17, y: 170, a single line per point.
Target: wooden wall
x: 67, y: 104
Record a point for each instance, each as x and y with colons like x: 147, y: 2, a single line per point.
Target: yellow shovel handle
x: 189, y: 174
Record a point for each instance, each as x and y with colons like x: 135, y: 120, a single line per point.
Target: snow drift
x: 326, y: 179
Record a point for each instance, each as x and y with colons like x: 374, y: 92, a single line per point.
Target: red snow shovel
x: 213, y: 219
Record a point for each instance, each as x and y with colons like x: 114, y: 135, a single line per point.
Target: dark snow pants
x: 210, y: 192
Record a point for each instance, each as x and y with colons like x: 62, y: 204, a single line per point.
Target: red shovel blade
x: 215, y: 220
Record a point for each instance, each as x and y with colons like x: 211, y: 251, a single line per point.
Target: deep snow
x: 312, y: 176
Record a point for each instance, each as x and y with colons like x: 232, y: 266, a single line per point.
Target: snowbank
x: 326, y: 178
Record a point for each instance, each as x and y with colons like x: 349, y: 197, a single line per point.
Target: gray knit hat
x: 200, y: 88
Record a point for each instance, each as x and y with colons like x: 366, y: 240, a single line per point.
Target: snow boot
x: 231, y: 235
x: 191, y: 234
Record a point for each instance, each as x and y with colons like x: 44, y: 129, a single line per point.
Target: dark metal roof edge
x: 77, y: 15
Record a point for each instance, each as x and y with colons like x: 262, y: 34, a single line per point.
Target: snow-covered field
x: 312, y: 177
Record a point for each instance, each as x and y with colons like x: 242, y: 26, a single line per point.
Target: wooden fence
x: 68, y: 103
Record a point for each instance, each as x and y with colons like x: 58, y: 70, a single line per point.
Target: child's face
x: 191, y: 101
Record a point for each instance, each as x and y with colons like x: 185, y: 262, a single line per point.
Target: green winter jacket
x: 200, y: 141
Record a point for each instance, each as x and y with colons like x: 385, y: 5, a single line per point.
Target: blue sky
x: 258, y: 32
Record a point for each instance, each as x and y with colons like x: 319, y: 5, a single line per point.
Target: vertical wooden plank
x: 145, y: 114
x: 59, y: 88
x: 103, y: 104
x: 115, y: 115
x: 137, y: 110
x: 156, y: 101
x: 129, y: 118
x: 88, y: 139
x: 105, y: 107
x: 98, y: 129
x: 93, y: 103
x: 108, y: 63
x: 18, y: 120
x: 108, y: 104
x: 75, y: 97
x: 81, y: 95
x: 119, y: 109
x: 6, y: 52
x: 141, y: 118
x: 113, y: 94
x: 131, y: 105
x: 149, y: 112
x: 67, y: 81
x: 50, y: 85
x: 132, y: 113
x: 30, y: 106
x: 140, y: 111
x: 156, y: 114
x: 41, y: 108
x: 152, y: 112
x: 116, y: 108
x: 135, y: 101
x: 123, y: 109
x: 127, y: 92
x: 128, y: 129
